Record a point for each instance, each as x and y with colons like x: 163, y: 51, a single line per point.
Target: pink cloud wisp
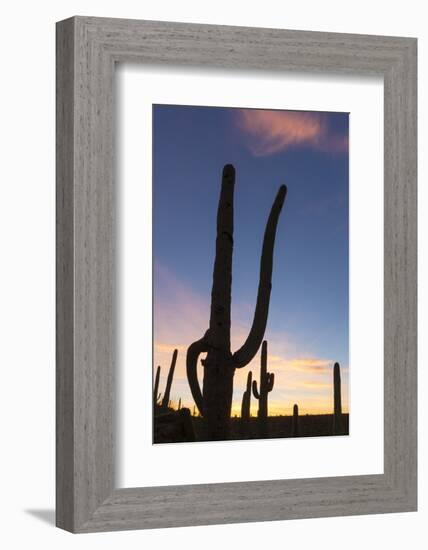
x: 268, y: 132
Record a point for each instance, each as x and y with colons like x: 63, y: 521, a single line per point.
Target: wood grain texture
x: 64, y: 277
x: 87, y: 50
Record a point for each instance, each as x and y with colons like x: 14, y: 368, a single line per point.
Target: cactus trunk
x: 218, y: 390
x: 166, y: 395
x: 337, y: 416
x: 215, y: 400
x: 267, y: 380
x: 295, y: 422
x: 218, y: 370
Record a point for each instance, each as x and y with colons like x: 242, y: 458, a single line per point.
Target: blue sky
x: 308, y: 318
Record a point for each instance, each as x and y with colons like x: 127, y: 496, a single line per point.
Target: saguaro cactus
x: 295, y: 421
x: 166, y: 395
x: 337, y: 416
x: 179, y: 404
x: 215, y: 400
x: 246, y: 404
x: 267, y: 380
x: 156, y: 386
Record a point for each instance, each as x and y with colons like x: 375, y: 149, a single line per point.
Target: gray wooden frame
x: 87, y: 50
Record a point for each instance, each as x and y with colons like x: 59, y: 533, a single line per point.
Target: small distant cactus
x: 167, y: 393
x: 337, y: 415
x: 156, y: 395
x: 267, y: 380
x: 179, y: 404
x: 246, y: 404
x: 246, y: 398
x: 295, y: 422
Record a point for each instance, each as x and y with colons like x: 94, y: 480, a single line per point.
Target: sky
x: 307, y: 329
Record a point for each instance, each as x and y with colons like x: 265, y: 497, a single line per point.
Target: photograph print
x: 250, y: 274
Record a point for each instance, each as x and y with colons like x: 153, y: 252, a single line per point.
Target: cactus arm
x: 255, y: 392
x: 249, y: 382
x: 156, y: 386
x: 192, y: 356
x: 165, y: 401
x: 271, y: 381
x: 250, y: 347
x: 243, y: 403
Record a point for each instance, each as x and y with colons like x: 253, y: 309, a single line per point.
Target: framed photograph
x: 236, y: 274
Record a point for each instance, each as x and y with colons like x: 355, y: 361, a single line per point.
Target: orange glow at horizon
x: 300, y: 376
x: 307, y: 382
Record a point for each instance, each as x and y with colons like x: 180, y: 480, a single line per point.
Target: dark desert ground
x: 310, y: 425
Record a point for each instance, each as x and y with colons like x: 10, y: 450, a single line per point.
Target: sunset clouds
x: 267, y: 132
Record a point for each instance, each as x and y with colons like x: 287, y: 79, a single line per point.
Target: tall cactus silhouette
x: 337, y: 416
x: 295, y: 421
x: 267, y: 380
x: 166, y: 395
x: 246, y: 404
x: 156, y: 395
x: 215, y: 400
